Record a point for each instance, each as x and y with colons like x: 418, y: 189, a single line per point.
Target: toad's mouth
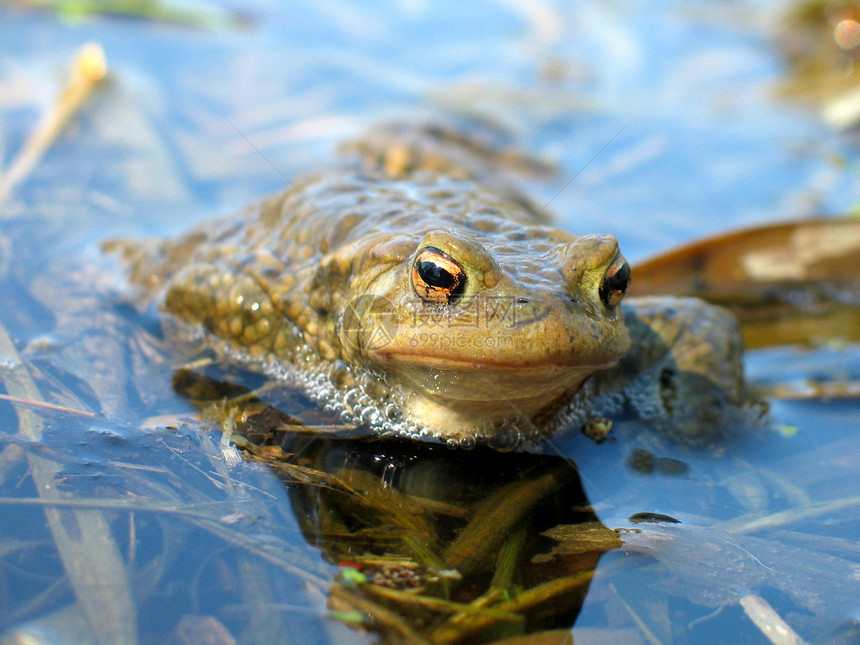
x: 464, y: 381
x: 439, y: 361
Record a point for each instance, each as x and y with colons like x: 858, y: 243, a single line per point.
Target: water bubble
x: 351, y: 398
x: 464, y: 443
x: 506, y: 440
x: 393, y: 412
x: 370, y: 416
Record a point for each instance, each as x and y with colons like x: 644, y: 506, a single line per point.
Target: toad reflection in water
x: 439, y: 545
x: 415, y: 292
x: 447, y: 545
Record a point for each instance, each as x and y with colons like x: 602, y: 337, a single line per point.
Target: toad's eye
x: 436, y: 277
x: 615, y: 282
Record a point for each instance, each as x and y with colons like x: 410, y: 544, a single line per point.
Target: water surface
x: 680, y: 101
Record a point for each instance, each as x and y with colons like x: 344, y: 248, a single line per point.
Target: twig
x: 83, y: 538
x: 643, y: 628
x: 88, y: 70
x: 45, y: 405
x: 386, y: 619
x: 439, y: 605
x: 788, y: 516
x: 460, y: 627
x: 809, y: 390
x: 771, y: 624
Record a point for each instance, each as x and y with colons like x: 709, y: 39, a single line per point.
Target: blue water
x: 664, y: 115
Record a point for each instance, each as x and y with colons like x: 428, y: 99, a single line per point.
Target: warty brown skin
x: 328, y: 279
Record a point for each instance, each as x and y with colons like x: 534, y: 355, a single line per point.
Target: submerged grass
x: 197, y: 15
x: 90, y: 555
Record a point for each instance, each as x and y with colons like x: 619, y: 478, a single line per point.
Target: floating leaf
x: 789, y: 282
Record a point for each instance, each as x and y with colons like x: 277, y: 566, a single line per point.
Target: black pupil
x: 435, y: 276
x: 620, y: 280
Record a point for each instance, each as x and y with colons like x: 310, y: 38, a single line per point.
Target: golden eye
x: 615, y: 282
x: 436, y: 277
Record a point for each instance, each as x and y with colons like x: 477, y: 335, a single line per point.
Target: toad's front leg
x: 684, y: 371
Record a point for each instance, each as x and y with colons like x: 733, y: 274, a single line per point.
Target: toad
x: 413, y: 291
